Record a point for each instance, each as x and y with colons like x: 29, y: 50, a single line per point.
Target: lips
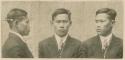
x: 62, y: 30
x: 98, y: 30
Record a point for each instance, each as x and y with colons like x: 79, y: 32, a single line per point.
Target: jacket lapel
x: 53, y: 47
x: 111, y: 47
x: 98, y: 47
x: 112, y: 42
x: 67, y: 47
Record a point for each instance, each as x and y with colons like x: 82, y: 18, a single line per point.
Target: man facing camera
x: 61, y: 44
x: 15, y: 46
x: 105, y: 44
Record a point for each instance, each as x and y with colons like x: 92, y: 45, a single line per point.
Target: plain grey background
x: 39, y: 12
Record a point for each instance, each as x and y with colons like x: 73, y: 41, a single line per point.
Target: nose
x: 98, y: 25
x: 28, y: 26
x: 61, y: 25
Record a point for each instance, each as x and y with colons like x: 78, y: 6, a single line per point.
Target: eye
x: 102, y: 21
x: 96, y: 21
x: 27, y: 22
x: 58, y: 21
x: 65, y: 21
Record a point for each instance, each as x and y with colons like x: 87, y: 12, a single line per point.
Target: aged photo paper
x: 33, y: 29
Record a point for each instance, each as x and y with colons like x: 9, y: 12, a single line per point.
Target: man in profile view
x: 15, y: 46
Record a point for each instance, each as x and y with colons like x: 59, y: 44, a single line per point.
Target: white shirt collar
x: 17, y: 35
x: 58, y: 39
x: 107, y: 38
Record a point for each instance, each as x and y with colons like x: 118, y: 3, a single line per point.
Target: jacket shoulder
x: 90, y: 41
x: 46, y: 40
x: 118, y: 40
x: 12, y: 41
x: 75, y: 40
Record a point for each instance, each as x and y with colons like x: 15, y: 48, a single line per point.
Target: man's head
x: 18, y: 21
x: 61, y: 21
x: 105, y: 19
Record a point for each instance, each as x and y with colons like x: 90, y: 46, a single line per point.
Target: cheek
x: 107, y: 26
x: 55, y: 26
x: 22, y: 26
x: 68, y: 25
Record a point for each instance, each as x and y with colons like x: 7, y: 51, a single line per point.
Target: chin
x: 61, y: 35
x: 26, y: 34
x: 99, y: 33
x: 102, y: 34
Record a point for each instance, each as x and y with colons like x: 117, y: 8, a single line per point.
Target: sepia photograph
x: 62, y: 29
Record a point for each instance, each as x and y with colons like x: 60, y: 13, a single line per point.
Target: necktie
x: 105, y: 45
x: 61, y: 45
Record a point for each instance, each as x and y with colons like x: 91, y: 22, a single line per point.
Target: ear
x: 14, y: 24
x: 70, y: 22
x: 113, y: 21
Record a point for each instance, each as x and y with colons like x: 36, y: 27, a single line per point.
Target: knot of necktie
x: 105, y: 44
x: 61, y: 48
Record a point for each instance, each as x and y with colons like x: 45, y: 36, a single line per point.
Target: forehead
x: 24, y: 18
x: 61, y: 17
x: 102, y: 16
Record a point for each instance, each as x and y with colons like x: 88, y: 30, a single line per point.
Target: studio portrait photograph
x: 62, y: 29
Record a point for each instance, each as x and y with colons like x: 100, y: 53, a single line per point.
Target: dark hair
x: 15, y: 14
x: 61, y: 11
x: 111, y: 12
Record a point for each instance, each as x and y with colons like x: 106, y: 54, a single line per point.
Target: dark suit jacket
x: 14, y: 47
x: 48, y: 48
x: 92, y: 48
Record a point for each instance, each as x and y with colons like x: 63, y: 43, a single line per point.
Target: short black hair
x: 15, y: 14
x: 111, y: 12
x: 61, y: 11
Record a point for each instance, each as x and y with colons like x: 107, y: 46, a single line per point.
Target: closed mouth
x: 98, y: 30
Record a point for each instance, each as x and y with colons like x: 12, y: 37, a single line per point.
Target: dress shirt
x: 59, y: 39
x: 105, y: 40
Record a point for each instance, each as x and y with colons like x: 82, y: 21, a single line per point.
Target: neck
x: 106, y: 35
x: 61, y: 36
x: 16, y: 31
